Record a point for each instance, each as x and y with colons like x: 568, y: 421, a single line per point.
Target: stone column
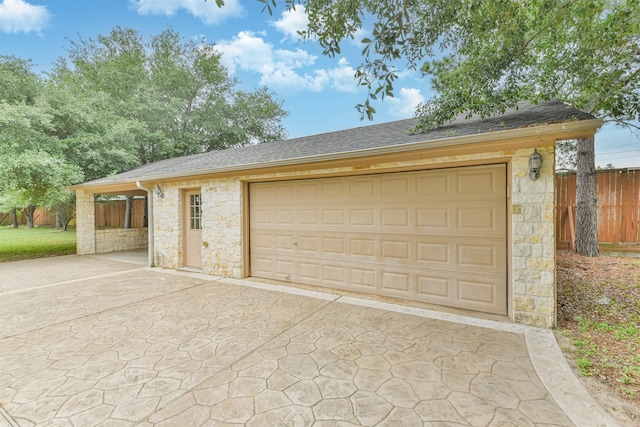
x: 533, y: 237
x: 222, y: 228
x: 85, y: 223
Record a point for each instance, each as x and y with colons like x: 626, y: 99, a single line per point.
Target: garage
x: 459, y: 216
x: 432, y: 236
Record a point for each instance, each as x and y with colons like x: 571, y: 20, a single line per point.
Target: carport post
x: 149, y: 221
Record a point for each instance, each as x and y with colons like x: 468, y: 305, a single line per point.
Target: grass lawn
x: 26, y: 243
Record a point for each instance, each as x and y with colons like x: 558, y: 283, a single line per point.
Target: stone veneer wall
x: 86, y: 227
x: 533, y: 242
x: 121, y: 239
x: 532, y: 281
x: 167, y: 227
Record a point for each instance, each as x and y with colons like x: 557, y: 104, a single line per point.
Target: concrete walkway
x: 93, y: 341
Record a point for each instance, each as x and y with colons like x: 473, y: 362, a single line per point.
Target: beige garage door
x: 430, y: 236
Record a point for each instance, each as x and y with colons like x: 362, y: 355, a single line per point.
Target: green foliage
x: 18, y: 84
x: 484, y: 57
x: 26, y: 243
x: 117, y: 102
x: 36, y: 178
x: 584, y: 366
x: 618, y: 359
x: 627, y: 333
x: 628, y: 391
x: 163, y: 99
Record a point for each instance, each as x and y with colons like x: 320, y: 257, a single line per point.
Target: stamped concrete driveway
x: 92, y: 341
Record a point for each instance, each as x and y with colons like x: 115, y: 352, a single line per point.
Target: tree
x: 484, y: 57
x: 115, y: 103
x: 24, y: 123
x: 9, y: 204
x: 169, y: 97
x: 35, y: 178
x: 18, y: 84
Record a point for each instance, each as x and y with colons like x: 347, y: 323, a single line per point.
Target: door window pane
x: 195, y: 212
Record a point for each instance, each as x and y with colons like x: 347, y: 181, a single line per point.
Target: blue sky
x: 259, y: 49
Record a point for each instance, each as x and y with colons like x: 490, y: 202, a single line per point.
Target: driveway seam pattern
x: 6, y: 420
x: 106, y: 310
x: 545, y: 356
x: 250, y: 352
x: 164, y: 347
x: 67, y: 282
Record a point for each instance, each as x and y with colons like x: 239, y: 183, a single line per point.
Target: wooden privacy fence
x: 109, y: 214
x: 41, y: 218
x: 618, y: 193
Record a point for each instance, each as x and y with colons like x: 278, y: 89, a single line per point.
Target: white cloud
x: 245, y: 51
x: 342, y: 77
x: 280, y: 69
x: 207, y: 11
x: 358, y: 36
x: 291, y: 22
x: 404, y: 104
x: 19, y: 16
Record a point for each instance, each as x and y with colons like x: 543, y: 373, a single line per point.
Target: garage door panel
x: 395, y: 217
x: 362, y: 217
x: 436, y: 184
x: 307, y: 217
x: 396, y: 283
x: 399, y: 251
x: 478, y: 219
x: 395, y: 186
x: 363, y: 279
x: 334, y: 274
x: 263, y: 266
x: 477, y: 293
x: 431, y: 236
x: 333, y: 217
x: 484, y: 182
x: 363, y: 248
x: 263, y: 242
x: 261, y: 217
x: 306, y: 192
x: 284, y: 268
x: 434, y: 218
x: 262, y: 194
x: 285, y: 191
x: 334, y: 246
x: 435, y: 289
x: 308, y: 271
x: 332, y: 189
x: 362, y: 188
x: 433, y: 252
x: 478, y: 256
x: 308, y: 244
x: 284, y: 243
x: 284, y: 216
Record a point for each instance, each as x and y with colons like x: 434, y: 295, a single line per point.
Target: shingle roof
x: 349, y: 141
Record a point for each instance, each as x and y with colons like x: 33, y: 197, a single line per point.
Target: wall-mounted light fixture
x: 535, y: 162
x: 159, y: 191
